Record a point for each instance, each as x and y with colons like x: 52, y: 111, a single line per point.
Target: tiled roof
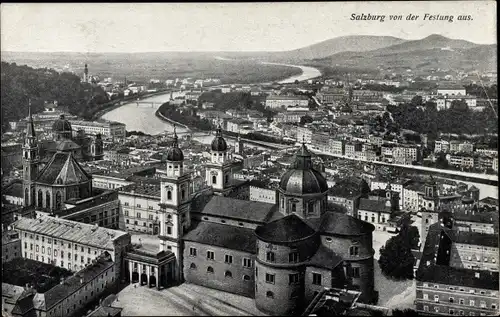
x: 325, y: 258
x: 286, y: 229
x: 63, y: 166
x: 373, y: 205
x: 239, y: 209
x: 59, y: 292
x: 73, y: 231
x: 490, y: 217
x: 489, y: 200
x: 235, y: 238
x: 476, y: 238
x: 430, y: 271
x: 341, y: 224
x: 15, y: 189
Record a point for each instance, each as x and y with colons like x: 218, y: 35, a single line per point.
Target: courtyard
x: 183, y: 300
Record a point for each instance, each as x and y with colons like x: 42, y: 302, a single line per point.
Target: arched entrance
x: 135, y: 277
x: 144, y: 279
x: 152, y: 281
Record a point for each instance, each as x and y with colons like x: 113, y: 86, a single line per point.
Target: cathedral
x: 282, y: 255
x: 51, y: 173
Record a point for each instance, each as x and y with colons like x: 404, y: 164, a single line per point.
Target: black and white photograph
x: 249, y: 159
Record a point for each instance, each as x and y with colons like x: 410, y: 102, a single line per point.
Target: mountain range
x: 362, y: 51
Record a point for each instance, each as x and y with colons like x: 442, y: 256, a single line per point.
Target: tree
x: 459, y: 105
x: 410, y: 235
x: 416, y: 101
x: 306, y: 119
x: 396, y: 259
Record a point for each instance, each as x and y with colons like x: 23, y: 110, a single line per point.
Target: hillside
x: 434, y: 51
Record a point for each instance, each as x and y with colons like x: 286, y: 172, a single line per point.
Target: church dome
x: 303, y: 178
x: 174, y: 154
x: 219, y: 144
x: 300, y: 182
x: 61, y: 125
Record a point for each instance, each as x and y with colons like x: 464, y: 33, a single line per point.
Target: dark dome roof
x: 175, y: 154
x: 61, y: 125
x: 298, y: 181
x: 303, y: 178
x: 219, y: 144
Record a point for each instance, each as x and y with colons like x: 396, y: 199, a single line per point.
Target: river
x: 143, y: 118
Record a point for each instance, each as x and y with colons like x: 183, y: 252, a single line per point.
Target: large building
x: 283, y: 102
x: 108, y: 129
x: 280, y: 254
x: 455, y: 275
x: 69, y: 244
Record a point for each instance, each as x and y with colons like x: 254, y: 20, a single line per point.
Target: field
x: 145, y: 66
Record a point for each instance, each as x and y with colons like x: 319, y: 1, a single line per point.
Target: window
x: 228, y: 274
x: 139, y: 215
x: 355, y: 272
x: 451, y: 300
x: 293, y: 257
x: 426, y: 296
x: 354, y: 251
x: 192, y: 251
x: 55, y: 252
x: 316, y: 278
x: 43, y: 249
x: 269, y: 278
x: 293, y: 278
x: 294, y: 207
x: 483, y: 304
x: 472, y: 303
x: 451, y: 311
x: 169, y: 195
x: 192, y: 266
x: 228, y: 259
x: 269, y: 294
x: 246, y: 277
x: 426, y: 308
x: 169, y: 230
x: 210, y: 269
x: 436, y: 298
x: 126, y: 213
x: 270, y: 256
x: 214, y: 179
x: 210, y: 255
x: 139, y: 206
x: 247, y: 262
x: 461, y: 301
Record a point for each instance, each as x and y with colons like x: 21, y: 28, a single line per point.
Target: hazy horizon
x: 215, y: 27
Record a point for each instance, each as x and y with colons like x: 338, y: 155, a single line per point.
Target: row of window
x: 452, y: 311
x: 451, y: 288
x: 227, y: 274
x: 461, y: 301
x: 56, y: 242
x: 293, y: 257
x: 138, y: 206
x: 228, y: 259
x: 293, y: 278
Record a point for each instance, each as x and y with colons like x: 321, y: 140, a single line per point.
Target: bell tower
x: 30, y: 162
x: 218, y: 171
x: 175, y: 216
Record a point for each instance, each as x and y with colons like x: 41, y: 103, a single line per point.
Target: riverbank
x: 160, y: 115
x: 118, y: 103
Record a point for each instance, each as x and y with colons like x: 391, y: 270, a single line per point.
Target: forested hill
x: 19, y: 84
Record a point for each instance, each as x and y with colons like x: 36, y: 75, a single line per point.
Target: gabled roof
x: 234, y: 238
x: 63, y: 166
x: 325, y: 258
x: 239, y: 209
x: 373, y: 205
x: 287, y: 229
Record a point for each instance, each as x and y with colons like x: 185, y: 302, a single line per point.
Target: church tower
x: 175, y: 216
x: 238, y: 146
x: 30, y: 162
x: 86, y: 74
x: 218, y: 171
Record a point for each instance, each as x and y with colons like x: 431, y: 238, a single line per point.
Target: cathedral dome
x: 303, y: 178
x: 61, y: 125
x: 219, y: 144
x: 300, y: 182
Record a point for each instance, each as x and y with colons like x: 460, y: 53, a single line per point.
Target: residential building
x: 242, y: 126
x: 304, y: 134
x: 336, y: 146
x: 406, y: 155
x: 277, y: 102
x: 263, y: 195
x: 69, y: 244
x: 108, y: 129
x: 446, y: 283
x: 11, y: 245
x: 451, y: 90
x: 441, y: 146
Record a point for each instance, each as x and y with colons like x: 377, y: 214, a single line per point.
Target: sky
x: 147, y: 27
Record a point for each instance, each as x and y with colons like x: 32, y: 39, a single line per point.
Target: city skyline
x: 89, y: 28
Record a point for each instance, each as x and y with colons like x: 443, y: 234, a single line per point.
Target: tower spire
x: 176, y: 138
x: 30, y: 132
